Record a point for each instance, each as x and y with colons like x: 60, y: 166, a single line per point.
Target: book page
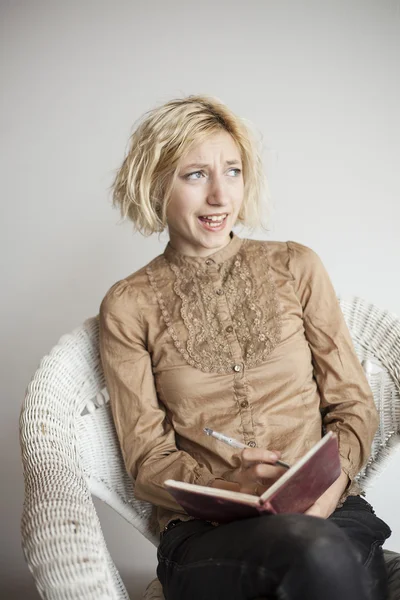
x: 215, y: 492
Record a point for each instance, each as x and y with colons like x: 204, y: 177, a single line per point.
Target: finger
x: 253, y: 489
x: 249, y: 489
x: 262, y: 472
x: 250, y: 456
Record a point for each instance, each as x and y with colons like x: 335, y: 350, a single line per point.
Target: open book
x: 294, y: 492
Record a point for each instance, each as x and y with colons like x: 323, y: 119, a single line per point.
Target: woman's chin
x: 215, y: 242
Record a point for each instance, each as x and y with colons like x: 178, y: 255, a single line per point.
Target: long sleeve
x: 347, y: 403
x: 146, y: 436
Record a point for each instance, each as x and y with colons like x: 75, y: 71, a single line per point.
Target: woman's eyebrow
x: 203, y: 165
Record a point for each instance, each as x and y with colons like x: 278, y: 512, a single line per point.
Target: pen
x: 236, y: 444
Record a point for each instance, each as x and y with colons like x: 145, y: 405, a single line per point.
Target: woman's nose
x: 217, y: 193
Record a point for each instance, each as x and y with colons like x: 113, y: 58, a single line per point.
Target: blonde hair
x: 144, y: 182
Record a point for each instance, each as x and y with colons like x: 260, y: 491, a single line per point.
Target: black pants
x: 290, y: 557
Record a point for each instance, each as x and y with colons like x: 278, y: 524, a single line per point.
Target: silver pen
x: 236, y: 444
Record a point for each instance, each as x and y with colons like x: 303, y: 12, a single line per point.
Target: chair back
x: 67, y: 428
x: 376, y: 338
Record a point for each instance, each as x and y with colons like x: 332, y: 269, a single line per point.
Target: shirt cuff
x: 202, y: 476
x: 348, y: 467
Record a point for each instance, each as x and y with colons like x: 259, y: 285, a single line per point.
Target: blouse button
x: 229, y: 329
x: 237, y: 368
x: 252, y: 444
x: 219, y: 292
x: 209, y: 262
x: 244, y: 404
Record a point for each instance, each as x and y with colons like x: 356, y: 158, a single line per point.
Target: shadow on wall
x: 16, y: 591
x: 77, y: 286
x: 134, y: 585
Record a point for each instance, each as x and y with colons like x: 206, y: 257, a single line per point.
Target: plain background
x: 320, y: 81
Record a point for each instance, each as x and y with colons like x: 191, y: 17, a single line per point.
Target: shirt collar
x: 218, y: 257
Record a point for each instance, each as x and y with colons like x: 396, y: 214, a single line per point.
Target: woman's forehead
x: 220, y: 142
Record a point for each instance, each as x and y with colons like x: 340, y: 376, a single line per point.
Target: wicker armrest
x: 61, y: 537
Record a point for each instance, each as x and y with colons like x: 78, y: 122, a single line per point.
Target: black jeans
x: 291, y: 557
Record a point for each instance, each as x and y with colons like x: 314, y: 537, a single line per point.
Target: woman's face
x: 206, y: 197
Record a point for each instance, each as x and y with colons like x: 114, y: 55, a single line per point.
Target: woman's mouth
x: 213, y: 222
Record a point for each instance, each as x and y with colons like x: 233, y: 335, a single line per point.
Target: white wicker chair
x: 70, y: 451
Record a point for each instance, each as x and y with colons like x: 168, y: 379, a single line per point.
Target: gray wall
x: 320, y: 79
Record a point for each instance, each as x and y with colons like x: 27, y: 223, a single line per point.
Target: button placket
x: 224, y: 313
x: 223, y: 309
x: 238, y: 367
x: 240, y: 384
x: 238, y: 371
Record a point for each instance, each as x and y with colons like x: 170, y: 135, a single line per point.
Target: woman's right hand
x: 255, y: 473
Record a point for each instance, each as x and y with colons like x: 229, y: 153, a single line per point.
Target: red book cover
x: 294, y: 492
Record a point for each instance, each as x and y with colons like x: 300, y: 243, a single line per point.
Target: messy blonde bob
x: 143, y: 184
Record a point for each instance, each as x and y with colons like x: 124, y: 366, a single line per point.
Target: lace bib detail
x: 247, y: 283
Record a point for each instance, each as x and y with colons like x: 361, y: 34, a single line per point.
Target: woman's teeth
x: 214, y: 219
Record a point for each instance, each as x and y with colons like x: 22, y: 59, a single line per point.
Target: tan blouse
x: 249, y: 341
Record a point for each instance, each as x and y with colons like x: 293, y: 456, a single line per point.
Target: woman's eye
x: 236, y: 172
x: 194, y: 175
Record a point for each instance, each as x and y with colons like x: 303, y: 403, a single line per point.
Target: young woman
x: 245, y: 337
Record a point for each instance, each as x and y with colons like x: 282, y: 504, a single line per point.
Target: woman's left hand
x: 326, y: 504
x: 255, y: 473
